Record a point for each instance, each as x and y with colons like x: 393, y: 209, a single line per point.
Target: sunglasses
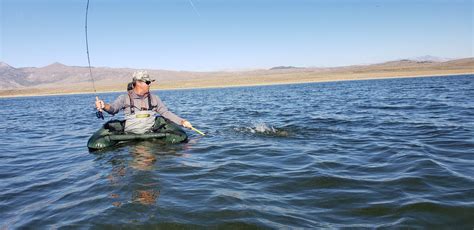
x: 148, y: 82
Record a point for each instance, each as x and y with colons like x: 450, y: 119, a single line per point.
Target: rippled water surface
x: 396, y: 152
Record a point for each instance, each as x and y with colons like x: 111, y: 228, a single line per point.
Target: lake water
x: 376, y: 153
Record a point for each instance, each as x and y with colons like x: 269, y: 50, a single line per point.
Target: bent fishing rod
x: 99, y: 113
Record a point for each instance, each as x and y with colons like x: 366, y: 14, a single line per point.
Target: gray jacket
x: 141, y: 103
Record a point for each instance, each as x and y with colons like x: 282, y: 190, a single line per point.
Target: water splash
x: 261, y: 128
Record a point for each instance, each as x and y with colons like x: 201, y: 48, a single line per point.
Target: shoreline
x: 255, y: 84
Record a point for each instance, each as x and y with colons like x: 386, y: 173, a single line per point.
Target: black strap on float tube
x: 99, y: 113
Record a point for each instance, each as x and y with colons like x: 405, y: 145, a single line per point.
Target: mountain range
x: 59, y: 78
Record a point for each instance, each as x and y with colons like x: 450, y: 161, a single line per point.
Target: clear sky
x: 232, y: 34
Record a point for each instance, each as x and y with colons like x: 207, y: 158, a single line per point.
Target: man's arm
x: 112, y: 108
x: 163, y: 111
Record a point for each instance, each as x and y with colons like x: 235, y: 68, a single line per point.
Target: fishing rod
x: 197, y: 131
x: 99, y: 113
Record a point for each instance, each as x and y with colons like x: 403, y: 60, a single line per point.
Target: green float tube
x: 112, y: 134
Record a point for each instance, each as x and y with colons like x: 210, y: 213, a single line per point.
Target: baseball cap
x: 142, y: 75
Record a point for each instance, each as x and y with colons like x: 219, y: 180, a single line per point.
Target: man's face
x: 144, y: 84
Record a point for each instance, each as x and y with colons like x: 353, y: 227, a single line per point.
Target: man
x: 140, y: 107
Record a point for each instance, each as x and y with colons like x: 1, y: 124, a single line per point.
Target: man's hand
x: 99, y: 104
x: 186, y: 124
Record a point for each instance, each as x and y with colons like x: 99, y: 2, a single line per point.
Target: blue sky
x: 232, y: 34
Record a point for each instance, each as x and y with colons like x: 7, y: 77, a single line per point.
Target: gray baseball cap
x: 142, y: 75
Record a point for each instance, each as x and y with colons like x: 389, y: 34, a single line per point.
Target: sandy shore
x: 275, y: 78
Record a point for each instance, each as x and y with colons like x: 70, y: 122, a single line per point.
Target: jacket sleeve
x: 163, y: 111
x: 117, y: 105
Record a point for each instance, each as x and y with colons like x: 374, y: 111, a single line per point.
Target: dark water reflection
x: 377, y: 153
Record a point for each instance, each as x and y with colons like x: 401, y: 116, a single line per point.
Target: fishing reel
x: 99, y: 115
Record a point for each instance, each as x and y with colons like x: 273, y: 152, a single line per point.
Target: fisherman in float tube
x: 140, y: 106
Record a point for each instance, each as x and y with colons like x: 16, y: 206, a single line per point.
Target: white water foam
x: 262, y: 129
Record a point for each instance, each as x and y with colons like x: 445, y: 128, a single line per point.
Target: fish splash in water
x: 263, y: 129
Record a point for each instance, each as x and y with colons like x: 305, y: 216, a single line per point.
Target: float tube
x: 112, y: 133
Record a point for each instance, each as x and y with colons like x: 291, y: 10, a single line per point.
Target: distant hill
x: 60, y: 78
x: 58, y: 74
x: 284, y: 67
x: 11, y: 78
x: 429, y: 58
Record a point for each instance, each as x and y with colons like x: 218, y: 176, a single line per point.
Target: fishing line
x: 194, y: 8
x: 99, y: 112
